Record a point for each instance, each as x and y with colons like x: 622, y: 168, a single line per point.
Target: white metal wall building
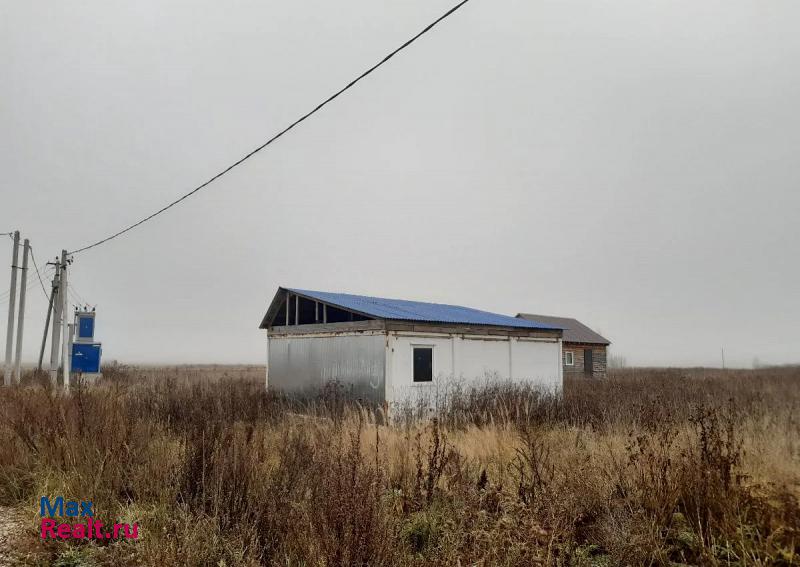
x: 394, y: 351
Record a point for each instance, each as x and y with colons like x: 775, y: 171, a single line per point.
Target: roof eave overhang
x: 273, y: 308
x: 592, y: 343
x: 459, y: 328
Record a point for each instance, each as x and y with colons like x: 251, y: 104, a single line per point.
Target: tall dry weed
x: 647, y: 467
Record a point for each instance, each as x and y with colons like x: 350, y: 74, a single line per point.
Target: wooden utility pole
x: 12, y: 302
x: 23, y: 285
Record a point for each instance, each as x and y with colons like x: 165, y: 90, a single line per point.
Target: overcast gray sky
x: 632, y: 164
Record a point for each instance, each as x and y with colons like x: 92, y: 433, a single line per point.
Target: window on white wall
x: 423, y: 364
x: 569, y: 358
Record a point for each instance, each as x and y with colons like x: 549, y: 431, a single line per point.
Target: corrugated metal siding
x: 403, y: 310
x: 305, y: 364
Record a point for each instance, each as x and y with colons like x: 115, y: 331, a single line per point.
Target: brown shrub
x: 647, y: 467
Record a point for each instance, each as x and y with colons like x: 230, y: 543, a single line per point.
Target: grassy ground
x: 649, y: 467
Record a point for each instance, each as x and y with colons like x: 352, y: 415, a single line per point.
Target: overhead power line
x: 30, y: 276
x: 38, y: 273
x: 4, y: 296
x: 291, y: 126
x: 77, y: 297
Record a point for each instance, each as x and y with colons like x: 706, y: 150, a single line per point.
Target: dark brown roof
x: 574, y: 330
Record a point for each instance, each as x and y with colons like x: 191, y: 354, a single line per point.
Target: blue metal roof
x: 403, y: 310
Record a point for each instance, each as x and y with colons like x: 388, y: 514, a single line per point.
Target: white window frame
x: 569, y: 358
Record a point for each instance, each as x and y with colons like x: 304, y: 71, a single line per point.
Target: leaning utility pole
x: 57, y: 303
x: 53, y: 292
x: 12, y: 300
x: 23, y: 284
x: 65, y: 354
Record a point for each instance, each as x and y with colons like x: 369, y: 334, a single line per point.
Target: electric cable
x: 5, y: 295
x: 291, y: 126
x: 33, y: 257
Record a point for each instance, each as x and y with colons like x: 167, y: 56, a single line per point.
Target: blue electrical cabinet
x: 85, y: 351
x: 85, y: 325
x: 86, y: 357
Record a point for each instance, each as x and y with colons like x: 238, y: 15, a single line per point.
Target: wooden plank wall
x: 599, y: 360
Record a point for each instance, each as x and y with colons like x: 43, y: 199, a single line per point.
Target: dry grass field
x: 648, y: 467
